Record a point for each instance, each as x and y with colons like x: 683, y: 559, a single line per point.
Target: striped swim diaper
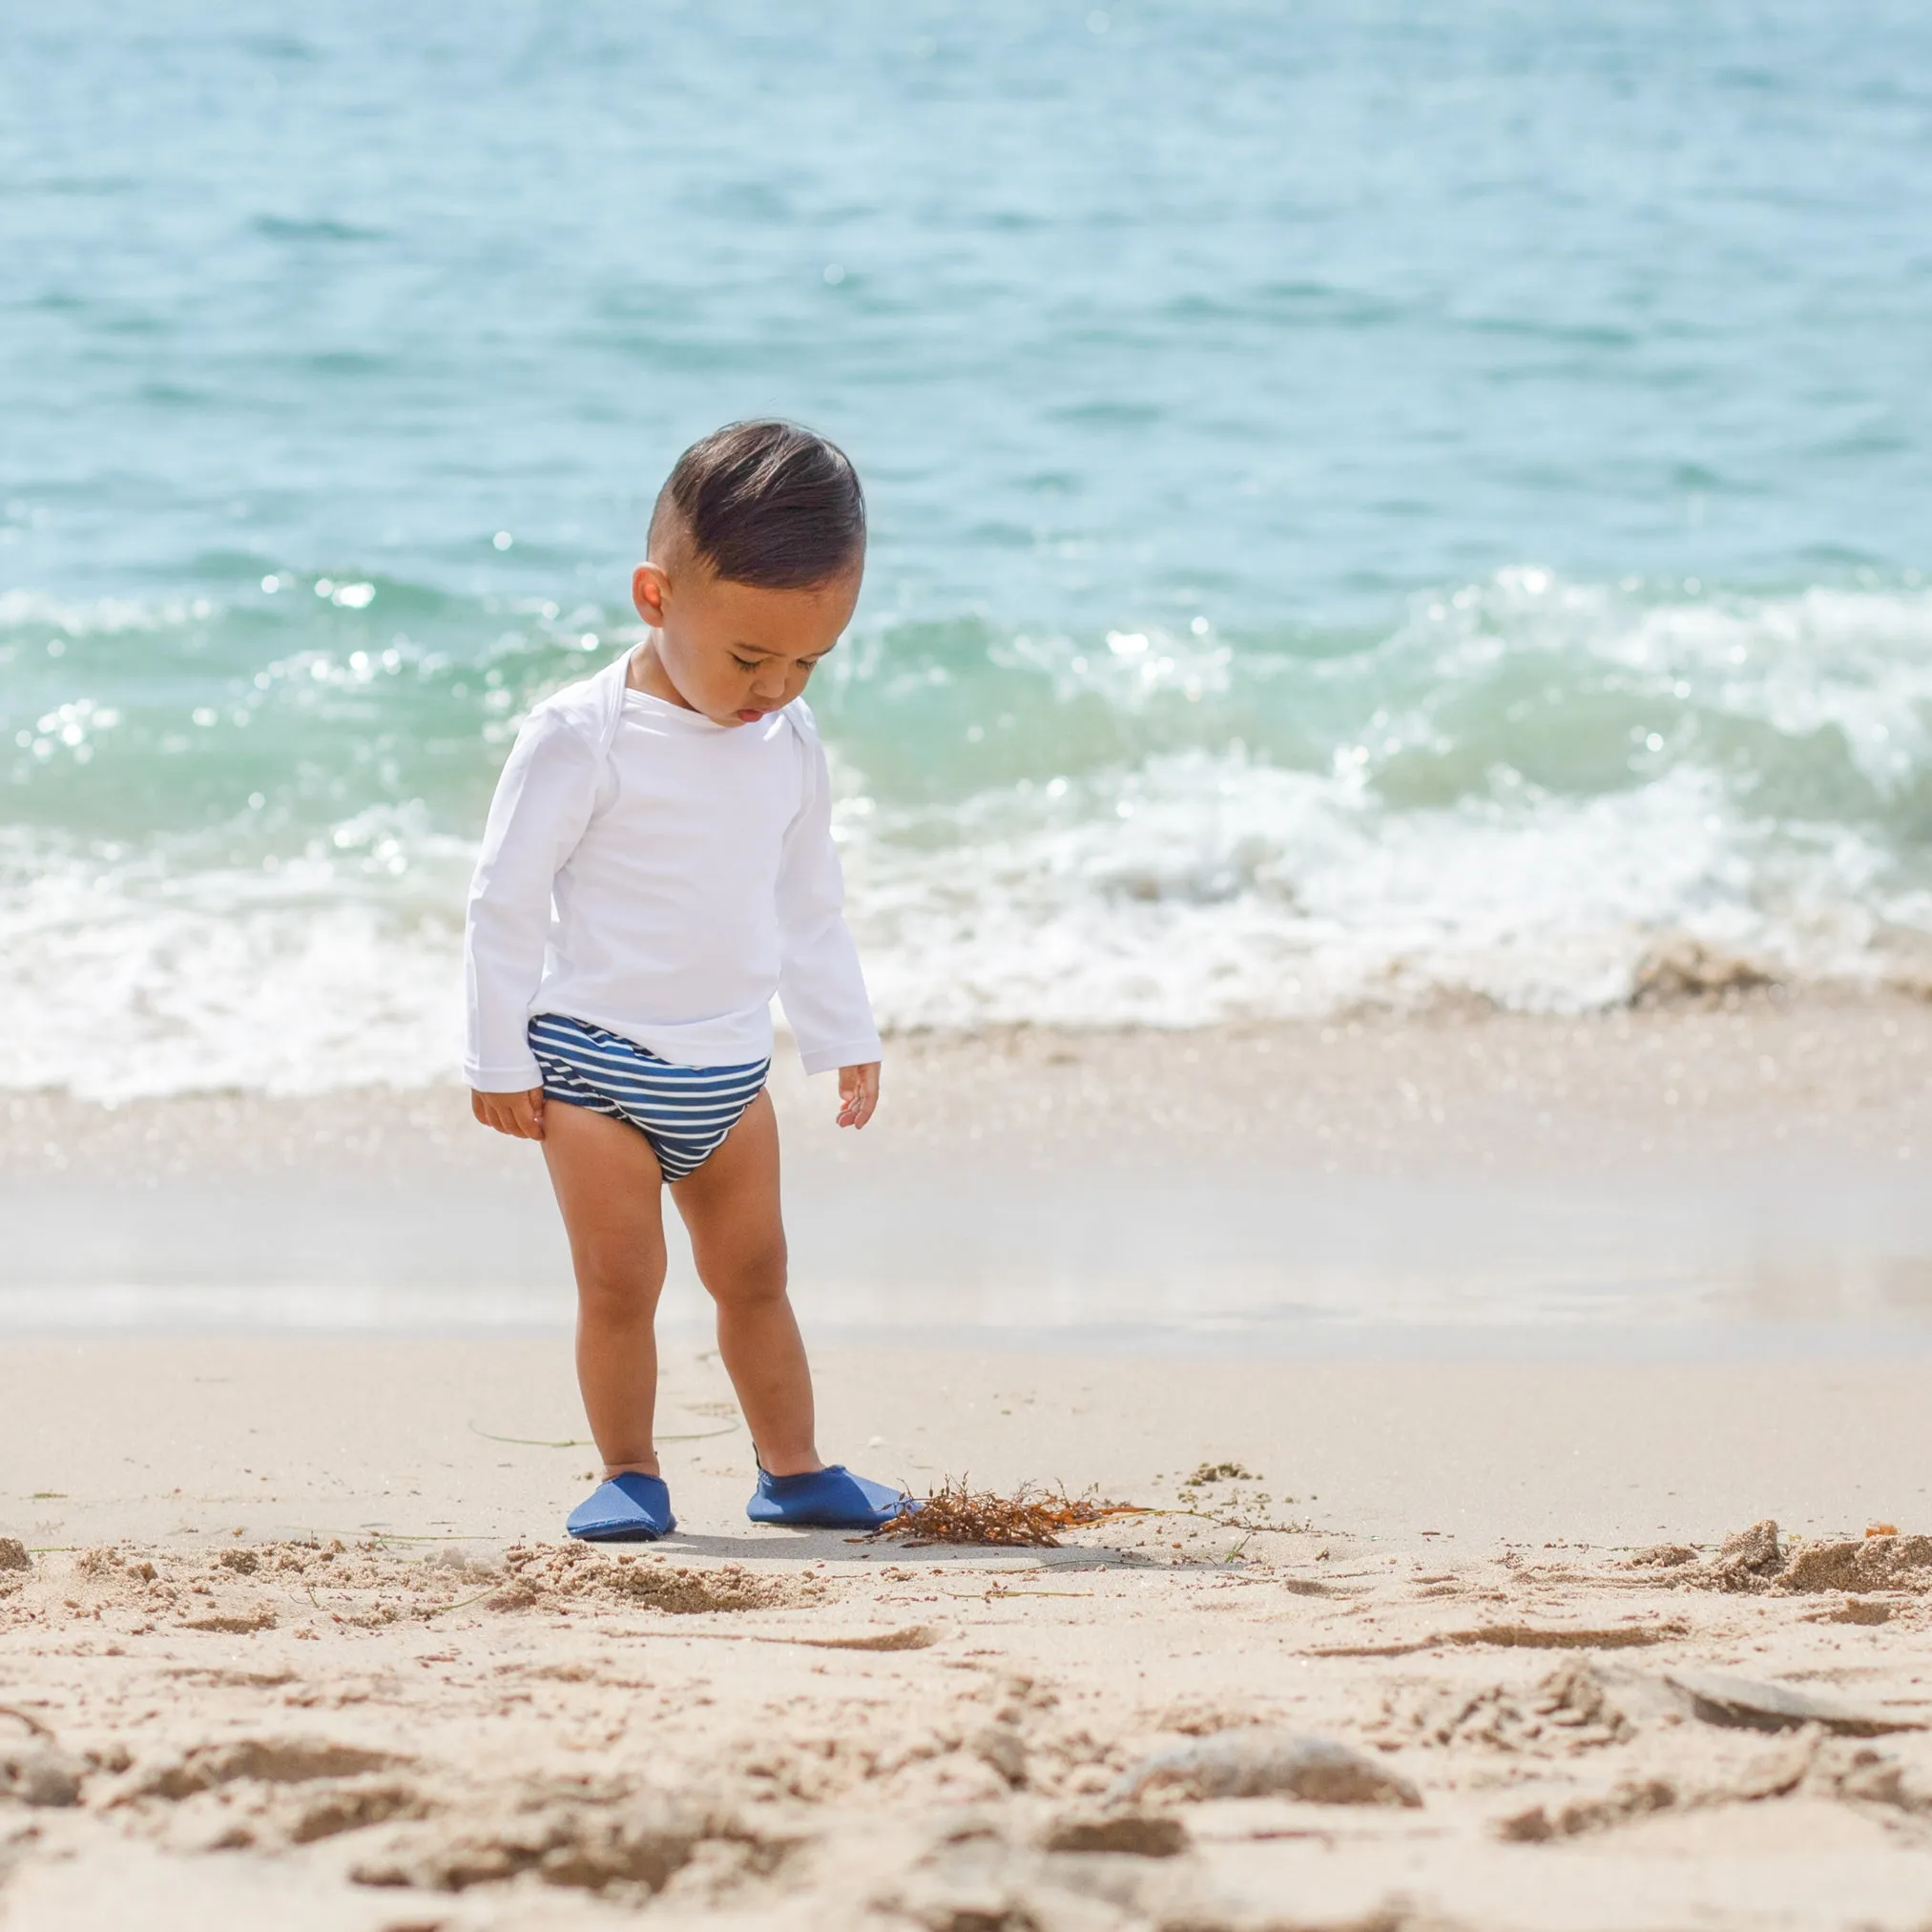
x: 683, y: 1111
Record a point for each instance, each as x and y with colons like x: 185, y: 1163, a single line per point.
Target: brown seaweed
x: 1028, y: 1518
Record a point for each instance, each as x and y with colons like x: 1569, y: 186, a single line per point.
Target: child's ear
x: 648, y: 585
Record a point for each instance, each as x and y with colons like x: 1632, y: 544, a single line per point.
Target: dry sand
x: 301, y: 1646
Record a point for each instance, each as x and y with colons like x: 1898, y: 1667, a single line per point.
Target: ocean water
x: 1372, y: 502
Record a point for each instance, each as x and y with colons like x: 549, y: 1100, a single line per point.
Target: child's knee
x: 751, y: 1280
x: 616, y: 1297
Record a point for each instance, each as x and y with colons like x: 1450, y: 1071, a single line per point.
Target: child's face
x: 730, y: 650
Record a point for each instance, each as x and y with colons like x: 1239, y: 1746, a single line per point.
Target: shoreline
x: 1447, y: 1086
x: 1760, y: 1170
x: 1681, y: 1175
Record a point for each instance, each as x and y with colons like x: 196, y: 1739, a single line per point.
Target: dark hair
x: 768, y: 503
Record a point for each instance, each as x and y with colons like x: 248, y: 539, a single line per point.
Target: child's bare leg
x: 737, y: 1239
x: 610, y: 1189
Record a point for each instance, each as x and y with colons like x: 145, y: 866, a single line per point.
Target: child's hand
x: 858, y: 1093
x: 518, y: 1114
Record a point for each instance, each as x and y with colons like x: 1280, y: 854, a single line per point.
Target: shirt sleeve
x: 821, y: 985
x: 543, y: 802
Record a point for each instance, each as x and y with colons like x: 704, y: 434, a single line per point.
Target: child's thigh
x: 607, y: 1183
x: 730, y: 1205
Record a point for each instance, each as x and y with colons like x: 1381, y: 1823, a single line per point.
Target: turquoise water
x: 1370, y: 501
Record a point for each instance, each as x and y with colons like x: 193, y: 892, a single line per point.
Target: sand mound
x: 33, y: 1769
x: 242, y: 1588
x: 355, y: 1806
x: 1264, y: 1764
x: 1140, y: 1834
x: 1758, y: 1559
x: 546, y: 1575
x: 1859, y: 1564
x: 263, y: 1760
x: 633, y: 1847
x: 1570, y: 1710
x: 1807, y: 1766
x: 1634, y: 1799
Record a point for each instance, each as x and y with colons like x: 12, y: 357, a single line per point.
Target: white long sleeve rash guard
x: 662, y: 876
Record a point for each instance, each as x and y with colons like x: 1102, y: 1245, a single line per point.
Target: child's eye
x: 744, y: 663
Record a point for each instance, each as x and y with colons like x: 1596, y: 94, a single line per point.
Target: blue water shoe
x: 628, y: 1509
x: 831, y: 1498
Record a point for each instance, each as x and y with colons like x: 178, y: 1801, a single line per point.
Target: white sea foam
x: 125, y: 978
x: 1857, y: 662
x: 1204, y: 890
x: 1763, y: 803
x: 1195, y: 890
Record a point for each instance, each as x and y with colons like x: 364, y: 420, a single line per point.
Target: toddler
x: 657, y: 864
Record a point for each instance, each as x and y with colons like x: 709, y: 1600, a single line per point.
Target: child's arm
x: 543, y: 800
x: 820, y: 981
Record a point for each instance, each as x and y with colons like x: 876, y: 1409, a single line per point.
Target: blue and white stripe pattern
x: 683, y: 1111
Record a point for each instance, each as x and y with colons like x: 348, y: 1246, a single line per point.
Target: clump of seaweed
x: 1028, y: 1518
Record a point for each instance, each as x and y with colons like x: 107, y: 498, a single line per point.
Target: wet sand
x: 1751, y: 1169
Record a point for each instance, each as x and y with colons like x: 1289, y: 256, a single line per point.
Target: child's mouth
x: 749, y: 717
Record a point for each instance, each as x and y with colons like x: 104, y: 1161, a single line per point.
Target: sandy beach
x: 299, y: 1645
x: 1434, y: 1612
